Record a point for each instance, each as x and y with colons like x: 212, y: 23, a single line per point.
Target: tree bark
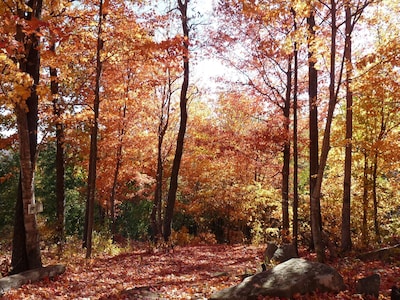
x: 182, y: 5
x: 295, y: 222
x: 316, y: 223
x: 60, y: 166
x: 346, y: 209
x: 286, y: 151
x: 364, y: 228
x: 375, y: 198
x: 313, y: 121
x: 31, y: 234
x: 382, y: 133
x: 313, y: 116
x: 26, y: 250
x: 156, y: 213
x: 91, y: 194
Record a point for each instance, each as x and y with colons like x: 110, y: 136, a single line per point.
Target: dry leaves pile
x: 190, y: 272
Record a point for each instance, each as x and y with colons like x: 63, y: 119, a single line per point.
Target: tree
x: 346, y: 212
x: 166, y: 93
x: 286, y: 150
x: 258, y: 51
x: 26, y: 250
x: 182, y: 6
x: 91, y: 194
x: 121, y: 135
x: 315, y: 212
x: 335, y: 83
x: 60, y: 155
x: 377, y: 124
x: 295, y: 224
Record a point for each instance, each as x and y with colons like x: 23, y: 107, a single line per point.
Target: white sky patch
x: 205, y: 6
x: 207, y: 71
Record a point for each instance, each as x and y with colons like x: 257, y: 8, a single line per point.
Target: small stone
x: 284, y: 253
x: 369, y: 285
x: 269, y: 251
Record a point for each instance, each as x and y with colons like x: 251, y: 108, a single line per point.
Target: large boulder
x: 294, y: 276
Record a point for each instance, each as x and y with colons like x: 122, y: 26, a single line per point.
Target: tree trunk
x: 60, y: 167
x: 26, y: 250
x: 313, y: 118
x: 121, y: 135
x: 381, y: 135
x: 116, y: 171
x: 155, y: 216
x: 156, y: 213
x: 286, y: 152
x: 364, y: 228
x: 295, y: 222
x: 182, y: 128
x: 31, y: 234
x: 375, y: 198
x: 346, y: 210
x: 316, y: 223
x: 91, y: 194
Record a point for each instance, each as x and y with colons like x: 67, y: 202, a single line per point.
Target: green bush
x: 133, y: 220
x: 9, y: 176
x: 74, y: 213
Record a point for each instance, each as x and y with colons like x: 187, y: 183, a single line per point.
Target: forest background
x: 266, y: 145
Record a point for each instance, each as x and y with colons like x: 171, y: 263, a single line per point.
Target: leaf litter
x: 182, y: 272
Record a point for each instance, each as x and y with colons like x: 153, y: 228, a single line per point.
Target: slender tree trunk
x: 90, y: 202
x: 155, y: 216
x: 121, y: 135
x: 295, y: 146
x: 26, y: 250
x: 285, y: 188
x: 113, y: 228
x: 375, y: 197
x: 116, y: 172
x: 313, y: 117
x: 59, y: 162
x: 346, y: 210
x: 60, y: 167
x: 157, y: 204
x: 316, y: 223
x: 182, y: 128
x: 381, y: 135
x: 156, y: 213
x: 364, y: 228
x: 286, y: 152
x: 313, y: 121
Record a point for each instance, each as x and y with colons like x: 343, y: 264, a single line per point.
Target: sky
x: 206, y: 70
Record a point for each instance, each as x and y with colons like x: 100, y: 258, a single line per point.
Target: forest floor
x: 184, y: 272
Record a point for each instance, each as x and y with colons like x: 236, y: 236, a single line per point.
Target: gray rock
x: 280, y: 253
x: 294, y: 276
x: 269, y: 251
x: 284, y: 253
x: 369, y: 285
